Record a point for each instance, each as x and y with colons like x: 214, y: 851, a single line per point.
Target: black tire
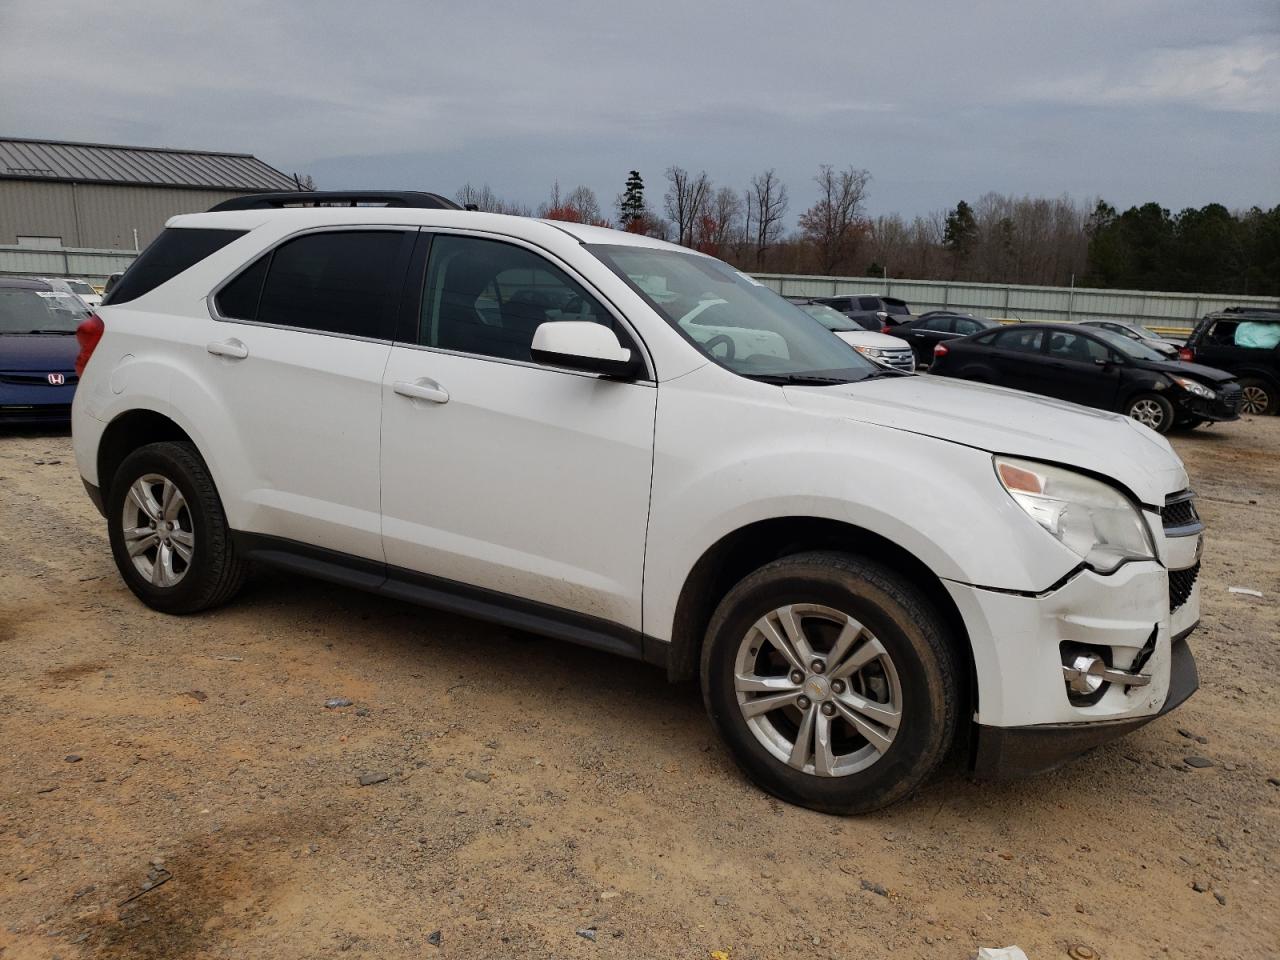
x: 909, y: 629
x: 1261, y: 394
x: 215, y: 571
x: 1152, y: 410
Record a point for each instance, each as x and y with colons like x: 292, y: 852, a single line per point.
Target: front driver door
x: 526, y: 481
x: 1082, y: 370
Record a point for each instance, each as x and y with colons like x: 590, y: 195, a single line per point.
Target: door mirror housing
x: 583, y: 345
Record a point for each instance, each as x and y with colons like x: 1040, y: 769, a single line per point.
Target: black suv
x: 1246, y: 343
x: 883, y: 311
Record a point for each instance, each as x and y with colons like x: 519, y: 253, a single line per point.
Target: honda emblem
x: 57, y: 379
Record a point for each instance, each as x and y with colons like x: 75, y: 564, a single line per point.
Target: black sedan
x: 1095, y: 368
x: 933, y: 328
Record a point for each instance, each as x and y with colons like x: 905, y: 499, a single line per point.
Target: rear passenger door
x: 1017, y: 358
x: 295, y: 354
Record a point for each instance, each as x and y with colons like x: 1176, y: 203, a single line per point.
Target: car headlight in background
x: 1194, y: 387
x: 874, y: 352
x: 1091, y: 519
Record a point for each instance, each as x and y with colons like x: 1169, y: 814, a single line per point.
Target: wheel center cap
x: 817, y: 688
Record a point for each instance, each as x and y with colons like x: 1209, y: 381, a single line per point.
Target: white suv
x: 604, y: 438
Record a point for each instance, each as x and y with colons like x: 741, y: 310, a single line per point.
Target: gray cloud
x: 1129, y: 99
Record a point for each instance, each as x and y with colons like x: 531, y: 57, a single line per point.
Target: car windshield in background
x: 831, y: 318
x: 82, y: 288
x: 39, y: 311
x: 1133, y: 349
x: 736, y: 320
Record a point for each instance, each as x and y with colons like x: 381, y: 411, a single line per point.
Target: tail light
x: 1186, y: 353
x: 940, y: 350
x: 87, y: 335
x: 886, y: 328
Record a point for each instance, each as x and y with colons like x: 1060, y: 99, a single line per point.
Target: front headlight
x: 869, y: 351
x: 1091, y: 519
x: 1194, y: 387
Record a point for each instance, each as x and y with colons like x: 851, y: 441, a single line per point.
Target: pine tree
x: 631, y: 205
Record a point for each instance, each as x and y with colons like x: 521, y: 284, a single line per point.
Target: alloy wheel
x: 818, y: 690
x: 158, y: 531
x: 1148, y: 412
x: 1254, y: 400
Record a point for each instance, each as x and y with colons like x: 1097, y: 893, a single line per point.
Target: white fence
x: 81, y: 263
x: 1172, y: 311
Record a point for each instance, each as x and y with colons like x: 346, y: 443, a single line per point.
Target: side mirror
x: 881, y: 315
x: 582, y: 345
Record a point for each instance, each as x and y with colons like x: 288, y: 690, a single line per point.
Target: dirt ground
x: 542, y: 800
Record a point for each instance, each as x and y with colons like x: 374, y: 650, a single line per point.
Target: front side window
x: 1022, y: 341
x: 344, y: 282
x: 968, y: 325
x: 735, y: 320
x: 488, y: 297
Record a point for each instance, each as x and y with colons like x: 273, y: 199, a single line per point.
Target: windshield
x: 39, y: 311
x: 82, y: 288
x: 1133, y: 349
x: 831, y: 318
x: 736, y: 320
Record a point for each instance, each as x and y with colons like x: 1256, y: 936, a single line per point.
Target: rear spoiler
x: 337, y: 198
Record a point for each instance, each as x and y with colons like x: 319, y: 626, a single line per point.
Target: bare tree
x: 579, y: 205
x: 720, y: 223
x: 487, y: 201
x: 685, y: 201
x: 835, y: 224
x: 766, y: 206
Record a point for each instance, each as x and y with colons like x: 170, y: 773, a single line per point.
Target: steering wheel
x: 716, y: 341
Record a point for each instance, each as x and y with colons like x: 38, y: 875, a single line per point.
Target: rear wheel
x: 1152, y: 410
x: 1258, y: 397
x: 169, y: 535
x: 833, y: 681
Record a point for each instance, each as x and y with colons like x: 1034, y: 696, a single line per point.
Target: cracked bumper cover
x: 1007, y: 752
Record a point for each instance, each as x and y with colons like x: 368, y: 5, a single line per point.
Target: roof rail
x: 337, y: 198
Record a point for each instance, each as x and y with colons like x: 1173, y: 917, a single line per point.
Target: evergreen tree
x: 961, y: 232
x: 631, y: 206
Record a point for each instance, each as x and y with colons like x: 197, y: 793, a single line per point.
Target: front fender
x: 717, y: 471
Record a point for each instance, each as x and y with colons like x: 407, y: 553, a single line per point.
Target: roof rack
x: 337, y: 198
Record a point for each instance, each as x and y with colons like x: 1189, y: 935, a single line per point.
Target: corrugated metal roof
x: 136, y: 166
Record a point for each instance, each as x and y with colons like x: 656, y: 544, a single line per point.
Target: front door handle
x: 232, y: 349
x: 424, y: 388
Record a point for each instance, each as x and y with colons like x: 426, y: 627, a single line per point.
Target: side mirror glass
x: 582, y: 345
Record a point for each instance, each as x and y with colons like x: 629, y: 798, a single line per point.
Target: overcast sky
x: 1133, y: 100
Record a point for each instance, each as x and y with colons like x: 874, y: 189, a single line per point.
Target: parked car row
x: 37, y: 350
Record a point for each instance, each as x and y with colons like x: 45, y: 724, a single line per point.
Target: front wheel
x: 1257, y: 397
x: 833, y: 681
x: 1152, y: 410
x: 168, y: 532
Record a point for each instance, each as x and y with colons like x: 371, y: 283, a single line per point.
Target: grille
x: 1229, y: 397
x: 1181, y: 583
x: 28, y: 379
x: 900, y: 359
x: 1179, y: 510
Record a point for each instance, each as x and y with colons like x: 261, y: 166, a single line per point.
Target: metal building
x: 55, y: 194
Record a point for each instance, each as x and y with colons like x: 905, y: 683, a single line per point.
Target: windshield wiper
x: 796, y: 379
x: 51, y: 330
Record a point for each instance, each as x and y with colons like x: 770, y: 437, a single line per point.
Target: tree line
x: 998, y: 238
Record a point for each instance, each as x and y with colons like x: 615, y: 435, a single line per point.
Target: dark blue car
x: 37, y: 351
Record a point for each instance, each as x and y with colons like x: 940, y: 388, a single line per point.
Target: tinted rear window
x: 169, y: 255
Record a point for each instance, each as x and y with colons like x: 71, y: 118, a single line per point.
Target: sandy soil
x: 534, y: 790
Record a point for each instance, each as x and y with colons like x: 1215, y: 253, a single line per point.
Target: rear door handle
x: 232, y: 349
x: 424, y: 388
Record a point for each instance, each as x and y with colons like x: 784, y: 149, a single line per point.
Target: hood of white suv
x: 1006, y: 421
